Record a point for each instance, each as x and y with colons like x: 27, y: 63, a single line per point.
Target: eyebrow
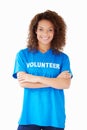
x: 43, y: 26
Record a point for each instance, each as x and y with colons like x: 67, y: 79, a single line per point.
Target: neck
x: 43, y: 47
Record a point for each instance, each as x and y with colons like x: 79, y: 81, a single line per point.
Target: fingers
x: 21, y: 76
x: 65, y: 74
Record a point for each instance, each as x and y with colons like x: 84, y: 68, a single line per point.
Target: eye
x: 40, y: 29
x: 50, y: 30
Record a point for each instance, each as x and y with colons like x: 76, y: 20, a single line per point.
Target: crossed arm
x: 62, y: 81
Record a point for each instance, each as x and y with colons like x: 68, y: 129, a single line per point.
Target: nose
x: 45, y: 32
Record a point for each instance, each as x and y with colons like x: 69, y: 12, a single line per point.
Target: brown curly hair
x: 59, y: 38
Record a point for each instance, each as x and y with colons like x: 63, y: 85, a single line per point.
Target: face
x: 45, y: 32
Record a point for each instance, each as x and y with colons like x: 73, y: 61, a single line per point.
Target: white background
x: 15, y: 16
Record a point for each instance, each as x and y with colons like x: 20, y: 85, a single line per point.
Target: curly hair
x: 59, y: 38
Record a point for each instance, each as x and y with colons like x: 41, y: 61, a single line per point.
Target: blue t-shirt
x: 42, y: 106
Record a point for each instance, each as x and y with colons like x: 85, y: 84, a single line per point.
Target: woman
x: 43, y: 70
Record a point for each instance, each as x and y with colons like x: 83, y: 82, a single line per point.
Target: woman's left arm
x: 62, y: 81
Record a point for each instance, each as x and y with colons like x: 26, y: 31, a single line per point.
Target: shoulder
x: 23, y: 51
x: 65, y: 58
x: 63, y: 55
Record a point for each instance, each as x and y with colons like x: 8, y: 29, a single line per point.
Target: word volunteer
x: 43, y: 65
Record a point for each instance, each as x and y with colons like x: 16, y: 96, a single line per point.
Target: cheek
x: 37, y: 33
x: 38, y: 36
x: 52, y: 35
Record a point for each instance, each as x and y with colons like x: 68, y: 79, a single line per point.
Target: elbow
x: 67, y: 87
x: 62, y: 86
x: 67, y: 84
x: 22, y: 85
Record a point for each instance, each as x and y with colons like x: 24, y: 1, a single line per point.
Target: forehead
x: 45, y: 23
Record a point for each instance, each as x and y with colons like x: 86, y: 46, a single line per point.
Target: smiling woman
x: 43, y: 70
x: 45, y: 33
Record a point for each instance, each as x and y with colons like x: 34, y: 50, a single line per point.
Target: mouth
x: 45, y: 38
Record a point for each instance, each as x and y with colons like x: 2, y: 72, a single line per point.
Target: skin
x: 45, y: 33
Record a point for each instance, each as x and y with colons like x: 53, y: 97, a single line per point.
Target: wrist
x: 38, y: 78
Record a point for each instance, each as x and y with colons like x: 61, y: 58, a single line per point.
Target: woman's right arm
x: 29, y: 84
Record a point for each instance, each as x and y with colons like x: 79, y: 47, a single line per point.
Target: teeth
x: 45, y: 38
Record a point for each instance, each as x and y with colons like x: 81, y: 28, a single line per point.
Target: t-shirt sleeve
x: 19, y: 64
x: 66, y: 65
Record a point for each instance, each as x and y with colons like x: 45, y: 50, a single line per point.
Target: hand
x: 64, y: 74
x: 24, y: 77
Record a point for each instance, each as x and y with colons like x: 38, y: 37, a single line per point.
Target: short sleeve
x: 19, y: 64
x: 66, y: 65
